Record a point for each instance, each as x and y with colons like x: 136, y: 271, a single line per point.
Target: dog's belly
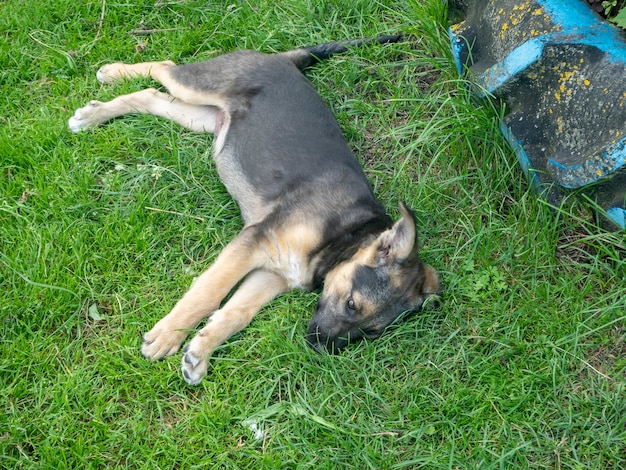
x: 253, y: 208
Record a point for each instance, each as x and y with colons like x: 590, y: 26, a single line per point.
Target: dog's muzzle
x: 323, y: 342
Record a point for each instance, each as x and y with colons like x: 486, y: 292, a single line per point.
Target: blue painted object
x: 561, y: 70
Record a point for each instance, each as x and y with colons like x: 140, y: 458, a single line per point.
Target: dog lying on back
x: 311, y: 220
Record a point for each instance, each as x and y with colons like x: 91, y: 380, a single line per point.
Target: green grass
x: 524, y: 365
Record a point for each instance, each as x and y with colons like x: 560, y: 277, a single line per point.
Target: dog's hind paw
x: 194, y: 368
x: 87, y: 116
x: 111, y: 73
x: 118, y: 71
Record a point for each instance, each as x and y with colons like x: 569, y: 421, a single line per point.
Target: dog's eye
x: 351, y: 305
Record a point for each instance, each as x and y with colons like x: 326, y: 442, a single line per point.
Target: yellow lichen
x: 505, y: 26
x: 458, y: 26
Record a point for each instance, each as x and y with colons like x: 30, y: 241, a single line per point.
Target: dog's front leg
x: 204, y: 297
x: 259, y: 288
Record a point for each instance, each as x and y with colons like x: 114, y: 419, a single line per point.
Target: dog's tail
x: 308, y: 56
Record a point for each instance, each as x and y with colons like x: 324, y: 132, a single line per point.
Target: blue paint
x: 518, y: 60
x: 523, y: 56
x: 522, y: 157
x: 581, y: 26
x: 618, y: 216
x: 569, y: 13
x: 609, y: 162
x: 457, y: 48
x: 604, y: 38
x: 503, y: 60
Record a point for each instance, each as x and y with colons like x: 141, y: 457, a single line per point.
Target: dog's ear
x: 423, y: 287
x: 399, y: 243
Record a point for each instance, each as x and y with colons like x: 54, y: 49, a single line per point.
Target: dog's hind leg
x: 259, y: 288
x: 118, y: 71
x: 210, y: 92
x: 149, y: 101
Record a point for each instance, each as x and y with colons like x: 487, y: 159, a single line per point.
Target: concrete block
x: 561, y: 70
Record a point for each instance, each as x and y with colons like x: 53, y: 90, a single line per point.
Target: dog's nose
x: 318, y: 347
x: 321, y: 344
x: 313, y: 337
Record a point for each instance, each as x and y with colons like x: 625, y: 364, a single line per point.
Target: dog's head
x: 364, y: 294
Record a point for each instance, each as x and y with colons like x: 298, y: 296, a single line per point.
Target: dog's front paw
x: 87, y: 117
x: 194, y: 365
x: 161, y: 342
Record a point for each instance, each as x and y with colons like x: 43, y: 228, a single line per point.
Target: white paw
x: 161, y: 342
x: 194, y: 365
x: 110, y: 73
x: 86, y: 117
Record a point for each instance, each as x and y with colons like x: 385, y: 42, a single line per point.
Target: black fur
x: 324, y: 51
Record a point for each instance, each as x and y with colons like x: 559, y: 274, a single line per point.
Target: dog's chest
x: 287, y: 254
x: 296, y: 275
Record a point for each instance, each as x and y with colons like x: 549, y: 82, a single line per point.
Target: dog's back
x: 282, y: 142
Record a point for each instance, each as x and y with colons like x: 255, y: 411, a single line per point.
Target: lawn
x: 522, y: 365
